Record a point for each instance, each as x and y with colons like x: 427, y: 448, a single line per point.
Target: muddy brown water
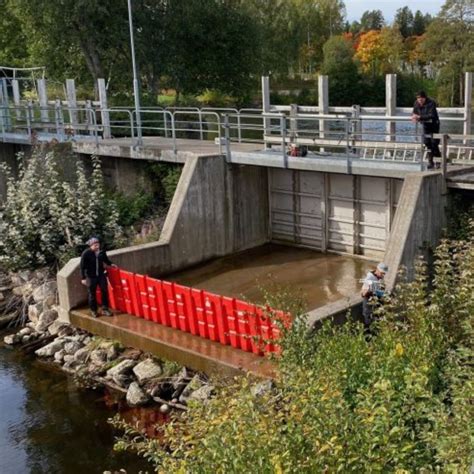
x: 49, y: 424
x: 321, y: 278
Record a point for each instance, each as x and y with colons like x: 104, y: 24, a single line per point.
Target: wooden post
x: 390, y: 104
x: 72, y: 103
x: 103, y: 108
x: 4, y: 103
x: 266, y: 106
x: 16, y: 97
x: 467, y: 104
x: 323, y: 103
x: 43, y: 100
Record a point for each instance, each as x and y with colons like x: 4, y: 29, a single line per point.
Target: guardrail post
x: 391, y: 104
x: 16, y: 98
x: 104, y: 108
x: 266, y: 108
x: 72, y: 102
x: 59, y: 119
x: 293, y: 123
x: 467, y: 104
x: 29, y: 115
x: 356, y: 127
x: 283, y: 139
x: 43, y: 100
x: 228, y: 156
x: 444, y: 155
x: 90, y: 113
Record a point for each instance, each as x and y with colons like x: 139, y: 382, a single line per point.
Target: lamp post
x: 136, y: 91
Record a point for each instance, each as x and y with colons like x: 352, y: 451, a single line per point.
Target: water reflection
x: 49, y: 425
x: 322, y: 278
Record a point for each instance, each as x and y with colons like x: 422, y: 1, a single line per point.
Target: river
x: 49, y: 424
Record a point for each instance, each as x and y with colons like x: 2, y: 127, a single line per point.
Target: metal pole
x: 135, y: 76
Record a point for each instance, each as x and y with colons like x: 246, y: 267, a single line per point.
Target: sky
x: 355, y: 8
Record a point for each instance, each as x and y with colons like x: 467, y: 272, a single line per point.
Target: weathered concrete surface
x: 172, y: 344
x: 418, y: 223
x: 417, y: 228
x: 217, y: 209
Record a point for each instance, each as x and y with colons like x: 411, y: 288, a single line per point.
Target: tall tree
x: 13, y: 50
x: 449, y: 45
x: 404, y: 20
x: 420, y: 23
x: 372, y: 20
x: 343, y: 72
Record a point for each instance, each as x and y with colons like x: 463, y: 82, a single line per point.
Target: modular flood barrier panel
x: 222, y: 319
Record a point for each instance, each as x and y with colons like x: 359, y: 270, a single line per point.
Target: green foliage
x: 460, y: 214
x: 339, y: 65
x: 132, y: 208
x: 401, y: 402
x: 46, y: 219
x: 166, y: 177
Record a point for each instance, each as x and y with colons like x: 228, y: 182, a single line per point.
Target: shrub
x: 399, y: 402
x: 45, y: 219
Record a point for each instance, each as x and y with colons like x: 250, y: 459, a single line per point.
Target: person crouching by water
x: 372, y: 291
x: 93, y: 275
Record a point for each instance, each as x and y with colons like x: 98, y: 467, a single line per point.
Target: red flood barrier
x: 222, y: 319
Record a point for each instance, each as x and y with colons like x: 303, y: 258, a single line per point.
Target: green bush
x: 46, y: 219
x: 132, y: 208
x: 400, y: 402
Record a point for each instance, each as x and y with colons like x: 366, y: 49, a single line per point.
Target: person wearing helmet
x: 372, y: 288
x: 93, y: 275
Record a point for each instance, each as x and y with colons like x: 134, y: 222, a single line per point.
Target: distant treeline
x: 226, y: 45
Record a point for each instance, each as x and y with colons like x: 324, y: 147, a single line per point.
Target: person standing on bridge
x: 425, y: 112
x: 372, y: 292
x: 93, y: 275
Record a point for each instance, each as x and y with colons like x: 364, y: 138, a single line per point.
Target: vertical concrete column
x: 43, y: 99
x: 72, y: 102
x: 16, y: 97
x: 390, y: 104
x: 323, y: 102
x: 103, y: 106
x: 467, y: 103
x: 266, y: 105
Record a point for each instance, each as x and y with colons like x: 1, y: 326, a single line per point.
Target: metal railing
x: 349, y: 134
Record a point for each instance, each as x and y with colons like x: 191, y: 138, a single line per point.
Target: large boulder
x: 71, y: 347
x: 98, y: 357
x: 12, y: 339
x: 45, y: 319
x: 51, y: 348
x: 121, y: 373
x: 56, y: 327
x: 136, y: 396
x: 195, y: 384
x: 82, y: 354
x: 46, y: 293
x: 202, y: 394
x: 147, y: 370
x: 34, y: 311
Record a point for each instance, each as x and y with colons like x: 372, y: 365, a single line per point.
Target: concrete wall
x: 418, y: 224
x: 417, y: 228
x: 217, y: 209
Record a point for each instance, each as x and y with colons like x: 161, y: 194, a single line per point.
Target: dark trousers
x: 433, y: 146
x: 93, y: 283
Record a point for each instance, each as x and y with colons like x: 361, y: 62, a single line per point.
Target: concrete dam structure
x: 238, y: 199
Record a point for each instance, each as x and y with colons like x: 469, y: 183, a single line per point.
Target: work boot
x: 94, y: 313
x: 107, y: 312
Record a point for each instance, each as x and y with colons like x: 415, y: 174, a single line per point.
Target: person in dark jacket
x: 425, y: 112
x: 93, y: 275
